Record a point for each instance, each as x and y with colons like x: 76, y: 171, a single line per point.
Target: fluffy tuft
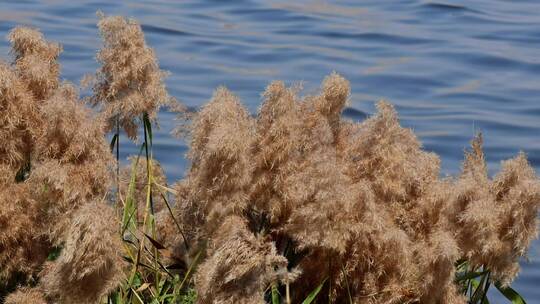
x: 358, y: 203
x: 90, y: 264
x: 129, y: 83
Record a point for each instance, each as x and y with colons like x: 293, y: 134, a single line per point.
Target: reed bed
x: 293, y: 205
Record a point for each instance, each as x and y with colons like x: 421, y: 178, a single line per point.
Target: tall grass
x: 295, y: 205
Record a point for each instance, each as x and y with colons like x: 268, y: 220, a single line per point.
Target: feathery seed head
x: 129, y: 83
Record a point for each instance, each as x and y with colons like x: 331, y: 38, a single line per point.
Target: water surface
x: 451, y: 67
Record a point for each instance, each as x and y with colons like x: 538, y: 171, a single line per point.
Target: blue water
x: 451, y: 67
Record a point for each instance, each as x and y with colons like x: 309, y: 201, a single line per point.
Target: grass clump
x: 294, y: 205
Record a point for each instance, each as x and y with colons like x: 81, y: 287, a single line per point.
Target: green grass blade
x: 480, y: 291
x: 148, y: 126
x: 113, y: 141
x: 473, y: 287
x: 275, y: 294
x: 486, y: 288
x: 469, y: 275
x: 54, y: 253
x: 155, y: 243
x: 174, y: 219
x: 191, y: 268
x: 510, y: 294
x: 314, y: 293
x: 137, y: 297
x: 346, y: 284
x: 130, y: 208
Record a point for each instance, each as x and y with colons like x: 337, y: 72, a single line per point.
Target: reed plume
x: 88, y: 266
x: 129, y: 82
x: 496, y: 218
x: 57, y: 168
x: 36, y: 60
x: 23, y: 247
x: 19, y: 117
x: 360, y: 204
x: 26, y: 295
x: 240, y: 266
x: 220, y: 142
